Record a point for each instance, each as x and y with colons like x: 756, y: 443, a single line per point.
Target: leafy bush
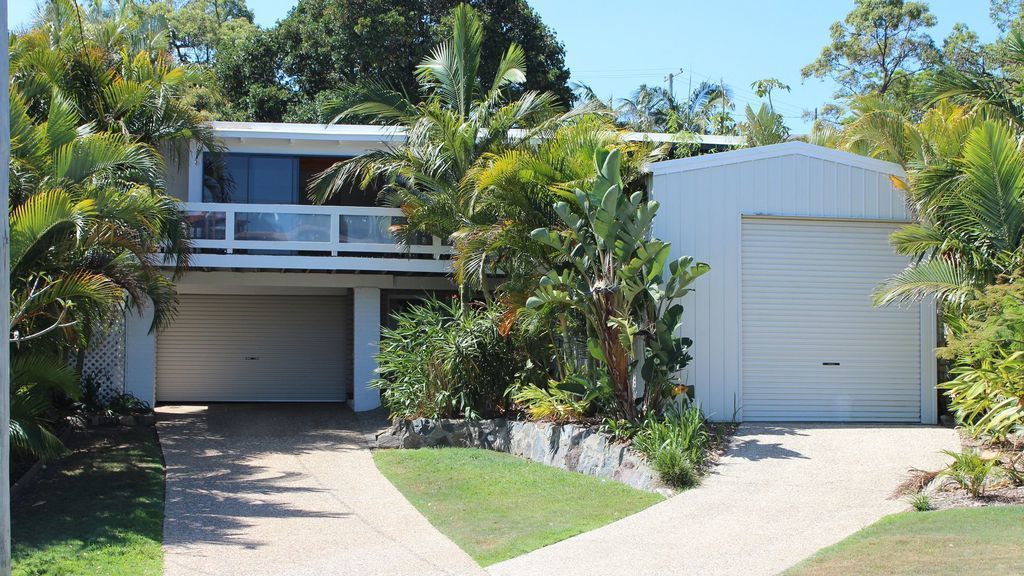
x: 620, y: 280
x: 676, y: 444
x: 988, y: 347
x: 446, y: 360
x: 970, y: 470
x: 569, y: 400
x: 675, y: 469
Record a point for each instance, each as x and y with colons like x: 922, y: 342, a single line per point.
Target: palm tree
x: 64, y: 163
x: 764, y: 127
x: 116, y: 69
x: 95, y: 109
x: 460, y: 121
x: 971, y: 220
x: 996, y: 95
x: 654, y: 109
x: 647, y: 110
x: 516, y: 190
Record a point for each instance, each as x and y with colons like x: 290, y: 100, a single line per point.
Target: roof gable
x: 794, y: 148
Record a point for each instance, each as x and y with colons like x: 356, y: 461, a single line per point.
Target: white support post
x: 366, y: 344
x: 140, y: 355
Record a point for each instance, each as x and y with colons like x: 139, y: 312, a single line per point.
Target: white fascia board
x: 372, y: 133
x: 774, y: 151
x: 286, y: 131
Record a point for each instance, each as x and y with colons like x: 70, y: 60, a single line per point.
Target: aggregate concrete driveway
x: 780, y: 494
x: 287, y: 490
x: 291, y: 490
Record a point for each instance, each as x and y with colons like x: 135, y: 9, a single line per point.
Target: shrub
x: 675, y: 469
x: 444, y: 360
x: 988, y: 347
x: 569, y: 400
x: 970, y: 470
x: 921, y: 502
x: 676, y: 444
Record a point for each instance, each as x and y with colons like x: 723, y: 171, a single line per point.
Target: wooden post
x: 5, y: 307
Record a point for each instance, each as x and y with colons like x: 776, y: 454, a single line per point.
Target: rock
x: 573, y: 447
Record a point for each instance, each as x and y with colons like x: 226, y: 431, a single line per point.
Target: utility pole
x: 721, y: 88
x: 671, y: 87
x: 5, y: 306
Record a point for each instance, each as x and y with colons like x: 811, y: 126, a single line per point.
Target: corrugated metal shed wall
x: 701, y: 215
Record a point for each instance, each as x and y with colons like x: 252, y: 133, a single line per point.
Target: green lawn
x: 496, y: 506
x: 97, y: 511
x: 960, y: 541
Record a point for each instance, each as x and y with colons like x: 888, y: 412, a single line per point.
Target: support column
x: 366, y: 345
x: 140, y: 355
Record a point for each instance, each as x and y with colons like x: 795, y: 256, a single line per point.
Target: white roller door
x: 814, y: 346
x: 253, y: 349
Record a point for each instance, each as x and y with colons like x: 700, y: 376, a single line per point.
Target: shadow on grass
x: 103, y: 500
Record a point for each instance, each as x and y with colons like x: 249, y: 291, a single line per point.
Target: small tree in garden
x: 614, y: 275
x: 987, y: 346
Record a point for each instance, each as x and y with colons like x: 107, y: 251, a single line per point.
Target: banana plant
x: 614, y: 274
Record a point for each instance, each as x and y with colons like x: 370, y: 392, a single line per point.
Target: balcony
x: 284, y: 236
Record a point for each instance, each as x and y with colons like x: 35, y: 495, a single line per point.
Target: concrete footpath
x: 780, y: 494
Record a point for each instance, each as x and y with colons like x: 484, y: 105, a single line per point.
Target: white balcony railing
x: 295, y: 236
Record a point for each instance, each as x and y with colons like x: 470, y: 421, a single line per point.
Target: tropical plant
x: 446, y: 360
x: 970, y: 470
x: 706, y: 109
x: 570, y: 400
x: 987, y: 346
x: 921, y: 501
x: 764, y: 87
x: 763, y: 127
x: 517, y: 189
x: 114, y: 67
x: 997, y: 95
x: 96, y: 106
x: 676, y: 444
x: 88, y: 212
x: 971, y: 220
x: 35, y: 378
x: 614, y: 276
x: 459, y: 121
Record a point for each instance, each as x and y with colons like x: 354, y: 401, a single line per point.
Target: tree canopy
x: 331, y: 50
x: 879, y: 43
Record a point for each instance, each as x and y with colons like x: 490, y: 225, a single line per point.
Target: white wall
x: 140, y: 355
x: 702, y: 203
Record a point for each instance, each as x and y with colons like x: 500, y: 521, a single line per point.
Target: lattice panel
x: 104, y: 358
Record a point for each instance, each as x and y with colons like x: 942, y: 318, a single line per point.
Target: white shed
x: 783, y: 324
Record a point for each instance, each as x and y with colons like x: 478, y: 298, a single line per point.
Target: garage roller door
x: 814, y: 347
x: 253, y: 349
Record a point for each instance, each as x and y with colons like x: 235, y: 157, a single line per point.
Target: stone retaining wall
x: 572, y: 447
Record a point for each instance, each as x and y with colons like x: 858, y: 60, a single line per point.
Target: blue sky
x: 616, y: 46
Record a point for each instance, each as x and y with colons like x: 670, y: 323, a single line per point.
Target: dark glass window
x: 251, y: 179
x: 272, y: 179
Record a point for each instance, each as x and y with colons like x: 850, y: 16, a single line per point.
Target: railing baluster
x: 335, y: 232
x: 229, y: 229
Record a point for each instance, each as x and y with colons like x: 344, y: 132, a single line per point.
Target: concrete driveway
x: 287, y: 490
x: 780, y: 494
